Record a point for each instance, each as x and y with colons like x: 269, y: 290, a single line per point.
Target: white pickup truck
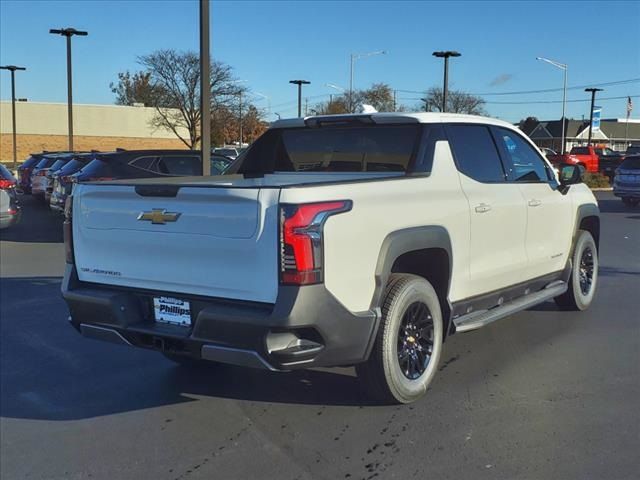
x: 335, y: 240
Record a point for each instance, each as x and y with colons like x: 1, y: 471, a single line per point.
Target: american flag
x: 629, y: 106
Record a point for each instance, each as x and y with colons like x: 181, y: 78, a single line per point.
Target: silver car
x: 626, y: 183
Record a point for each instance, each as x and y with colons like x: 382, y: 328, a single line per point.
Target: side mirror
x: 569, y: 174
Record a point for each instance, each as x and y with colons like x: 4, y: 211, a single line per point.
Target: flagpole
x: 626, y: 128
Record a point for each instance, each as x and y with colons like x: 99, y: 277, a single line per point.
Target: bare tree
x: 170, y: 83
x: 379, y: 95
x: 457, y: 102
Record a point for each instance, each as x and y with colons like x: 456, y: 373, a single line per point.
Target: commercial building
x: 43, y: 126
x: 616, y: 133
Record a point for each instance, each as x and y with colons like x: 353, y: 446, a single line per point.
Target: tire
x: 630, y: 202
x: 384, y: 376
x: 584, y: 275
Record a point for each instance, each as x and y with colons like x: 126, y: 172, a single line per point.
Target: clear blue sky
x: 268, y: 43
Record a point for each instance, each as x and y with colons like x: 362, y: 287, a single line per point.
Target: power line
x: 532, y: 102
x: 547, y: 90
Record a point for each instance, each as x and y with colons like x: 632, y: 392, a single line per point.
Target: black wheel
x: 584, y: 275
x: 630, y: 202
x: 408, y: 344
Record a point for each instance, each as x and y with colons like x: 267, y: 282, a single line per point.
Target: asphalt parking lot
x: 542, y: 395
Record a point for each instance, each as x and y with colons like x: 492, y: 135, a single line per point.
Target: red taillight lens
x: 6, y: 183
x: 67, y: 230
x: 301, y: 246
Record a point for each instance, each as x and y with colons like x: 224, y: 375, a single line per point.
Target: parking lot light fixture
x: 68, y: 33
x: 565, y: 68
x: 354, y: 57
x: 593, y: 101
x: 12, y: 69
x: 445, y: 87
x: 299, y: 83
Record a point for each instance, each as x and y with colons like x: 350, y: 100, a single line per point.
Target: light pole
x: 335, y: 87
x: 593, y: 100
x: 354, y: 57
x: 205, y: 90
x: 69, y: 32
x: 445, y: 87
x: 564, y: 68
x: 12, y: 69
x: 300, y: 83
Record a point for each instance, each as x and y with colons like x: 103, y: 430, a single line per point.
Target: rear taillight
x: 301, y: 241
x: 67, y: 230
x: 4, y: 184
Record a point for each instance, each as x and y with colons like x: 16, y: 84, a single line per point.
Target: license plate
x: 172, y: 310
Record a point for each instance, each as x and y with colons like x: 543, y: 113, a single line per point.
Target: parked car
x: 52, y: 171
x: 147, y: 163
x: 547, y: 151
x: 228, y: 152
x: 62, y: 181
x: 39, y: 179
x: 336, y: 240
x: 24, y: 171
x: 626, y: 183
x: 608, y: 160
x: 632, y: 150
x: 10, y: 211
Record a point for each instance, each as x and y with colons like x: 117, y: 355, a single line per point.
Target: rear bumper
x: 306, y: 327
x: 8, y: 220
x: 627, y: 192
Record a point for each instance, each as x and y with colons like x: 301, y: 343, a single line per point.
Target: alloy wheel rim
x: 415, y: 340
x: 586, y: 271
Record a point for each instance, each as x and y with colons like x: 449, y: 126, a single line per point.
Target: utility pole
x: 12, y: 69
x: 593, y: 99
x: 240, y: 118
x: 395, y: 104
x: 68, y: 33
x: 445, y: 87
x: 564, y: 67
x: 354, y: 57
x: 299, y: 83
x: 205, y: 90
x: 306, y: 106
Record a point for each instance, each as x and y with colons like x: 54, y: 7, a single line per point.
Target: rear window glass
x: 580, y: 151
x: 71, y: 167
x: 30, y: 162
x: 380, y: 148
x: 631, y: 163
x: 6, y: 174
x: 58, y: 164
x: 46, y: 162
x: 179, y: 165
x: 96, y: 169
x: 227, y: 152
x: 633, y: 149
x: 144, y: 163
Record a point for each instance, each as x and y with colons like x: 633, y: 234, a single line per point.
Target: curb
x: 602, y: 189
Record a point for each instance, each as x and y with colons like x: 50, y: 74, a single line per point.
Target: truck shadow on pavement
x: 49, y: 372
x: 614, y: 205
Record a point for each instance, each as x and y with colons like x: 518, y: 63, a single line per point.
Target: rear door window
x: 179, y: 165
x: 475, y: 152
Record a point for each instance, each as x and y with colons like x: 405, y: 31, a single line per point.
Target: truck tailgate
x: 221, y: 242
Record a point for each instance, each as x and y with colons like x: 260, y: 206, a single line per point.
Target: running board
x: 475, y: 320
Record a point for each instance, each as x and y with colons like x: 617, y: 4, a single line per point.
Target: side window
x: 475, y: 153
x: 143, y: 163
x: 524, y: 163
x: 179, y: 165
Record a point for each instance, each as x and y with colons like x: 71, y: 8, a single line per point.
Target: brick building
x: 43, y: 126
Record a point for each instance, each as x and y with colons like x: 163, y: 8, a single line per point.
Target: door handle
x: 483, y: 208
x: 534, y: 202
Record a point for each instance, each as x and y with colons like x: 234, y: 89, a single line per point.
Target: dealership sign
x: 597, y: 114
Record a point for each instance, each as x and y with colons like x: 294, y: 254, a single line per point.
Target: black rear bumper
x: 306, y: 327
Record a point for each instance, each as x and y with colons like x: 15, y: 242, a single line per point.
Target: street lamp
x: 445, y: 87
x: 300, y: 83
x: 354, y: 57
x: 335, y: 87
x: 240, y: 109
x: 69, y: 32
x: 12, y: 69
x: 593, y: 100
x: 565, y: 68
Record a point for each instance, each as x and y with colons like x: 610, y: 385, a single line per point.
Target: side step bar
x: 475, y: 320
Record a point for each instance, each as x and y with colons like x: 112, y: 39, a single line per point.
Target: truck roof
x: 390, y: 118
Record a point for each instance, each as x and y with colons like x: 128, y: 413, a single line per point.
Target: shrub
x: 596, y: 180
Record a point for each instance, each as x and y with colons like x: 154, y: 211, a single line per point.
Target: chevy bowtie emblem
x: 159, y: 216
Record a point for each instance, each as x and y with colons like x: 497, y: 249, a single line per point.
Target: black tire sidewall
x: 585, y: 240
x: 413, y: 289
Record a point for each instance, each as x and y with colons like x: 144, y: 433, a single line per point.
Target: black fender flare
x: 406, y: 240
